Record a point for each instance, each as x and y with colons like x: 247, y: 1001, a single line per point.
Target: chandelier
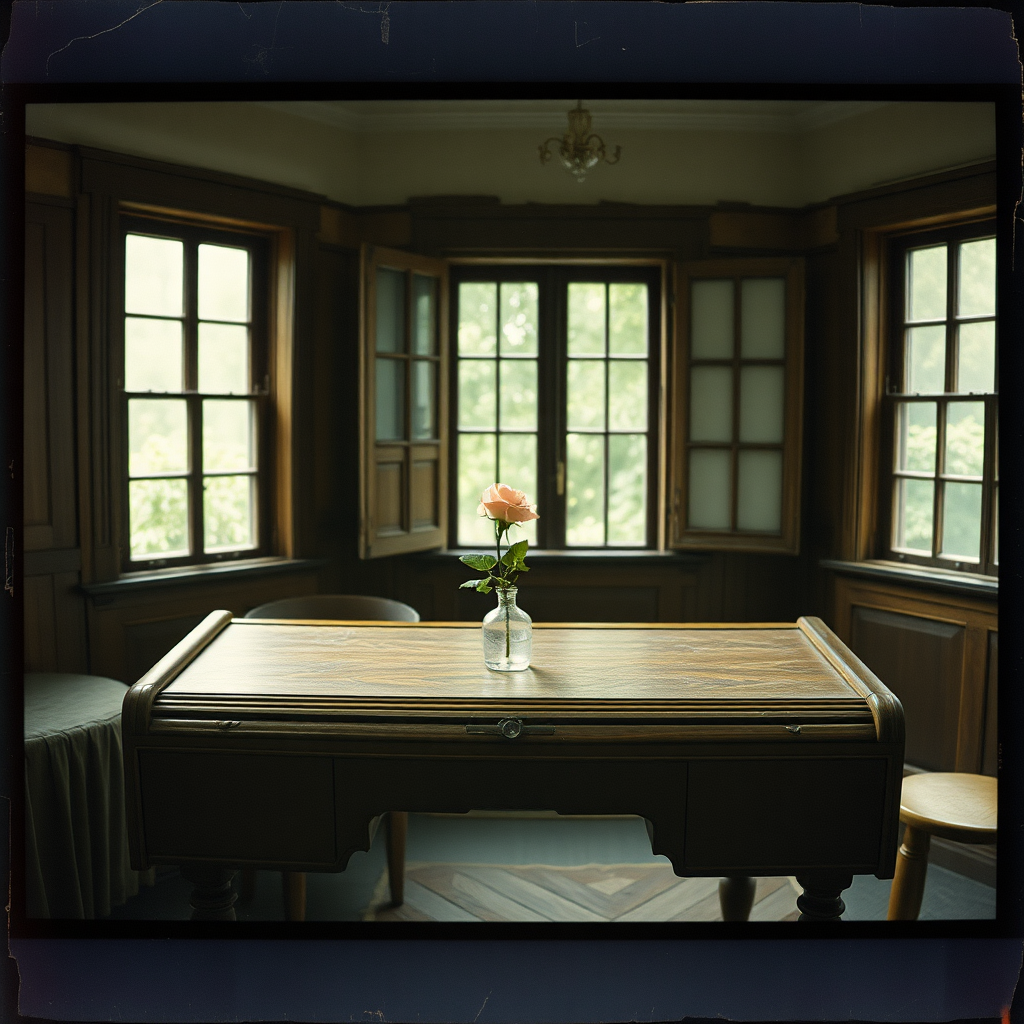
x: 578, y: 149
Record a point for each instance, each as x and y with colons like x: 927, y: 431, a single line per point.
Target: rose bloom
x: 506, y: 504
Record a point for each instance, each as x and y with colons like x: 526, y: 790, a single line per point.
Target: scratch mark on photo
x: 102, y: 32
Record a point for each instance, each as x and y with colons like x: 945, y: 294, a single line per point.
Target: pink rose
x: 506, y: 504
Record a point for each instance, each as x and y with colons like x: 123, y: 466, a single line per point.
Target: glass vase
x: 508, y: 635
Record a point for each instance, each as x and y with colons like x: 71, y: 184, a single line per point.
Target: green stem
x: 504, y: 589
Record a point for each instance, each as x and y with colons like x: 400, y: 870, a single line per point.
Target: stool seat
x: 951, y: 805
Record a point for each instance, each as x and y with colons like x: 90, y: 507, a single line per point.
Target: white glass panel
x: 223, y: 283
x: 223, y: 359
x: 228, y: 436
x: 517, y: 467
x: 158, y: 518
x: 477, y: 394
x: 762, y: 397
x: 961, y: 521
x: 477, y: 471
x: 759, y: 491
x: 711, y: 319
x: 584, y: 490
x: 710, y: 490
x: 390, y: 400
x: 915, y: 436
x: 627, y: 319
x: 977, y: 278
x: 627, y: 395
x: 926, y: 283
x: 153, y: 355
x: 965, y: 438
x: 157, y: 436
x: 424, y: 296
x: 926, y: 360
x: 518, y: 318
x: 153, y: 275
x: 228, y: 520
x: 627, y: 489
x: 518, y: 395
x: 390, y: 325
x: 585, y: 394
x: 763, y: 318
x: 711, y: 403
x: 914, y: 515
x: 586, y: 319
x: 478, y: 318
x: 424, y: 413
x: 976, y: 371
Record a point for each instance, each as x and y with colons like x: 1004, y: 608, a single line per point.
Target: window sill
x: 918, y: 576
x: 617, y: 555
x: 190, y: 575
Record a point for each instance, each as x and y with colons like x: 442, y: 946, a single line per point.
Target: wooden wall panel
x: 990, y: 743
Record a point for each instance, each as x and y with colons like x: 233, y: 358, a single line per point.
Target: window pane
x: 477, y: 470
x: 926, y: 360
x: 627, y: 319
x: 627, y: 395
x: 153, y: 355
x: 710, y: 490
x: 228, y: 513
x: 223, y: 283
x: 711, y: 319
x: 477, y: 407
x: 390, y: 325
x: 424, y: 409
x: 961, y: 520
x: 965, y: 438
x: 228, y: 435
x: 517, y: 467
x: 519, y: 395
x: 584, y: 490
x: 627, y: 489
x: 153, y: 275
x: 711, y: 403
x: 585, y: 394
x: 519, y: 318
x: 478, y: 312
x: 390, y: 400
x: 977, y: 292
x: 915, y: 436
x: 759, y: 491
x: 157, y: 436
x: 158, y: 518
x: 976, y: 371
x: 926, y: 283
x: 761, y: 404
x: 914, y: 515
x: 224, y: 359
x: 424, y: 296
x: 586, y: 319
x: 763, y: 318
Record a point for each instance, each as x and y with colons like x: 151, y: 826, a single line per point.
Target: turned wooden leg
x: 294, y: 885
x: 212, y: 897
x: 822, y: 899
x: 398, y: 827
x: 736, y: 897
x: 911, y: 869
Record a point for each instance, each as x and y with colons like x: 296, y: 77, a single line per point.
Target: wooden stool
x: 950, y: 805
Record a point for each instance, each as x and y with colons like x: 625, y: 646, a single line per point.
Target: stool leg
x: 398, y: 827
x: 911, y: 868
x: 294, y: 885
x: 736, y: 897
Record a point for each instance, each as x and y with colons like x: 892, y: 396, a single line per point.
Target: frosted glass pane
x: 763, y: 318
x: 961, y: 521
x: 477, y: 470
x: 762, y: 397
x: 224, y: 359
x: 711, y: 319
x: 710, y: 403
x: 477, y: 394
x: 478, y: 318
x: 517, y: 467
x: 627, y: 489
x: 158, y: 518
x: 518, y: 318
x: 390, y: 400
x: 153, y: 355
x: 926, y: 283
x: 627, y: 319
x: 627, y: 395
x: 228, y: 435
x: 424, y: 392
x: 424, y: 328
x: 914, y: 515
x: 585, y: 394
x: 390, y: 310
x: 584, y: 490
x: 976, y: 371
x: 915, y: 436
x: 153, y: 275
x: 710, y: 490
x: 759, y: 491
x: 977, y: 278
x: 926, y: 360
x: 586, y: 319
x: 157, y: 436
x: 965, y: 438
x: 518, y: 395
x: 228, y: 519
x: 223, y: 283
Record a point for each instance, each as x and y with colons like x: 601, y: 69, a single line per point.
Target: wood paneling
x: 48, y: 171
x: 990, y: 744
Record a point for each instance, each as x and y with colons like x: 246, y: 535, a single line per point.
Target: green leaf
x: 481, y: 562
x: 483, y: 587
x: 516, y: 553
x: 470, y: 583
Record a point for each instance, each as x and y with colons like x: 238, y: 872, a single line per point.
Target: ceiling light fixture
x: 578, y: 149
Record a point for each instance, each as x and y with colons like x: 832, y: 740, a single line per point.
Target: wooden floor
x: 591, y: 893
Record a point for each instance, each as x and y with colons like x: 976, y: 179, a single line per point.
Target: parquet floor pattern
x: 589, y: 893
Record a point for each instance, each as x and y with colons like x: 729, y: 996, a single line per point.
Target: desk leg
x: 822, y: 897
x: 212, y: 897
x: 736, y: 897
x: 398, y: 827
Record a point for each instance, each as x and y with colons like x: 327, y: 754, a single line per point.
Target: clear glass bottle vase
x: 508, y: 635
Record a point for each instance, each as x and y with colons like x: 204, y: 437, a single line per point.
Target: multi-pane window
x: 192, y: 363
x: 944, y: 405
x: 553, y: 385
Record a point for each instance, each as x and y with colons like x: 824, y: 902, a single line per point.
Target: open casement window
x: 738, y: 388
x: 403, y: 400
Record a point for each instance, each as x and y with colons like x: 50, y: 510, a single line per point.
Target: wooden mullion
x: 735, y: 466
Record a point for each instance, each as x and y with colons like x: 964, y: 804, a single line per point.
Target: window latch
x: 560, y: 478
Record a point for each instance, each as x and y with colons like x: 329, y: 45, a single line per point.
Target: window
x: 194, y: 381
x: 941, y: 403
x: 555, y: 392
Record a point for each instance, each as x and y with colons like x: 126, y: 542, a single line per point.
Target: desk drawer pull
x: 510, y: 728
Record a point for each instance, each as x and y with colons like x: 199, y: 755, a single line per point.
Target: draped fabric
x: 76, y: 857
